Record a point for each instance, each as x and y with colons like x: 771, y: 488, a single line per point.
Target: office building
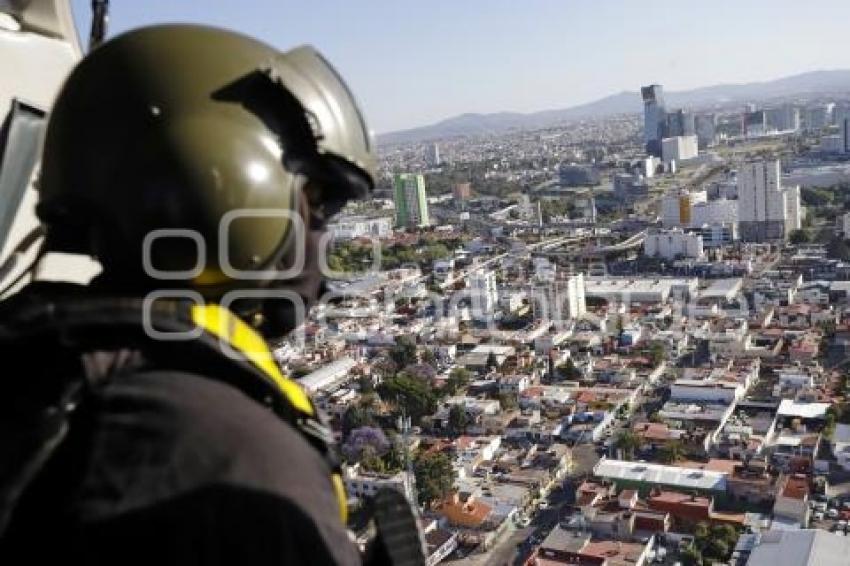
x: 706, y: 130
x: 654, y: 118
x: 432, y: 155
x: 785, y: 118
x: 718, y: 235
x: 677, y: 207
x: 818, y: 117
x: 411, y: 201
x: 577, y: 175
x: 678, y: 149
x: 766, y: 210
x: 680, y: 123
x: 574, y: 298
x: 673, y: 244
x: 844, y: 128
x: 755, y: 123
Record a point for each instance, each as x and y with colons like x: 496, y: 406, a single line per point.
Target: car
x: 524, y: 522
x: 832, y: 513
x: 845, y: 505
x: 820, y: 506
x: 817, y: 515
x: 543, y: 505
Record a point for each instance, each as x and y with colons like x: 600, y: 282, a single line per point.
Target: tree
x: 458, y: 419
x: 507, y: 402
x: 366, y: 445
x: 412, y: 395
x: 799, y: 237
x: 458, y: 379
x: 691, y: 556
x: 671, y: 452
x: 628, y: 442
x: 657, y: 354
x: 718, y: 548
x: 434, y: 477
x: 428, y: 357
x: 403, y: 352
x: 355, y: 416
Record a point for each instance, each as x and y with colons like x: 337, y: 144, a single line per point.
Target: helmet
x: 187, y: 146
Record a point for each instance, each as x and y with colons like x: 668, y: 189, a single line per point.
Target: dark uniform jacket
x: 172, y: 467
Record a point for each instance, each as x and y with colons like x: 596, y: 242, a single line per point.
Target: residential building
x: 411, y: 201
x: 673, y: 244
x: 483, y: 293
x: 766, y: 210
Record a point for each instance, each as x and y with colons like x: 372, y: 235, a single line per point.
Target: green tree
x: 354, y: 417
x: 412, y: 395
x: 458, y: 419
x: 403, y: 352
x: 799, y: 237
x: 718, y: 548
x: 691, y: 556
x: 628, y: 442
x: 671, y: 452
x: 434, y: 477
x: 657, y: 354
x: 458, y: 379
x: 507, y: 401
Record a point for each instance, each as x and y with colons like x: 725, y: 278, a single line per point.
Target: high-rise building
x: 755, y: 123
x: 844, y: 128
x: 484, y: 295
x: 654, y: 118
x: 432, y: 155
x: 411, y: 201
x: 782, y: 119
x: 574, y: 300
x: 680, y: 123
x: 706, y: 130
x: 766, y: 210
x: 818, y: 117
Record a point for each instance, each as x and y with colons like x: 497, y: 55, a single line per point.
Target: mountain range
x: 832, y: 81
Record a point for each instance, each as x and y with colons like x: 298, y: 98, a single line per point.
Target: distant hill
x: 626, y: 102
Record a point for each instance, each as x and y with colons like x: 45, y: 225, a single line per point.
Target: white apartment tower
x: 483, y: 294
x: 766, y: 210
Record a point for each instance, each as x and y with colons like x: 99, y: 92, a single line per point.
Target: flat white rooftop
x: 686, y: 478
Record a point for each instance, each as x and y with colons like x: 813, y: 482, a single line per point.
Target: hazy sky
x: 415, y: 62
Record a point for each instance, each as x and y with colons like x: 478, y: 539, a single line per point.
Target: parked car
x: 543, y: 504
x: 817, y: 515
x: 832, y: 513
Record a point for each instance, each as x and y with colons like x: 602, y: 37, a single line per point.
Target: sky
x: 412, y: 63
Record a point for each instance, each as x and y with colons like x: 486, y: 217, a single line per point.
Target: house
x: 464, y: 511
x: 751, y: 482
x: 792, y: 501
x: 657, y: 435
x: 841, y: 445
x: 562, y: 547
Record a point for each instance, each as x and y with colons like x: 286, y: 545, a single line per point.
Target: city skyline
x: 413, y: 65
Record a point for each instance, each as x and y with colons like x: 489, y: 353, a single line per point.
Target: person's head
x: 187, y: 157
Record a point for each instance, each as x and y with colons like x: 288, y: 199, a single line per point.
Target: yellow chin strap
x: 223, y: 324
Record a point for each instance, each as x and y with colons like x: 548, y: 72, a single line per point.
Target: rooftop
x: 644, y: 472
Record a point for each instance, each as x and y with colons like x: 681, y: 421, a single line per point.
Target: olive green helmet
x: 178, y: 128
